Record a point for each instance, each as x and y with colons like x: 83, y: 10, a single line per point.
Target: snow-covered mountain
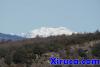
x: 41, y: 32
x: 47, y: 31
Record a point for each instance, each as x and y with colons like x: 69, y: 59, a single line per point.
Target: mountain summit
x: 47, y: 31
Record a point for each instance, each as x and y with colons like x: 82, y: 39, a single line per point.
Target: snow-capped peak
x: 47, y: 31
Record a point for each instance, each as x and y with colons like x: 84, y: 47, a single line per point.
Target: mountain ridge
x: 6, y: 37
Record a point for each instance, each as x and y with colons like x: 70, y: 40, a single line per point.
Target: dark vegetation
x: 29, y: 50
x: 96, y: 50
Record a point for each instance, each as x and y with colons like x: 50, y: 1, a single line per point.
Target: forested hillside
x: 35, y: 52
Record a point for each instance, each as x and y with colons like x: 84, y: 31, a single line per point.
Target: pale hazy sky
x: 25, y: 15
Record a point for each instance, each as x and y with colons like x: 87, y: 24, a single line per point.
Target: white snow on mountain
x: 47, y: 31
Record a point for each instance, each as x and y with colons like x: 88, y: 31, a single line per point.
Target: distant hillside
x: 5, y: 37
